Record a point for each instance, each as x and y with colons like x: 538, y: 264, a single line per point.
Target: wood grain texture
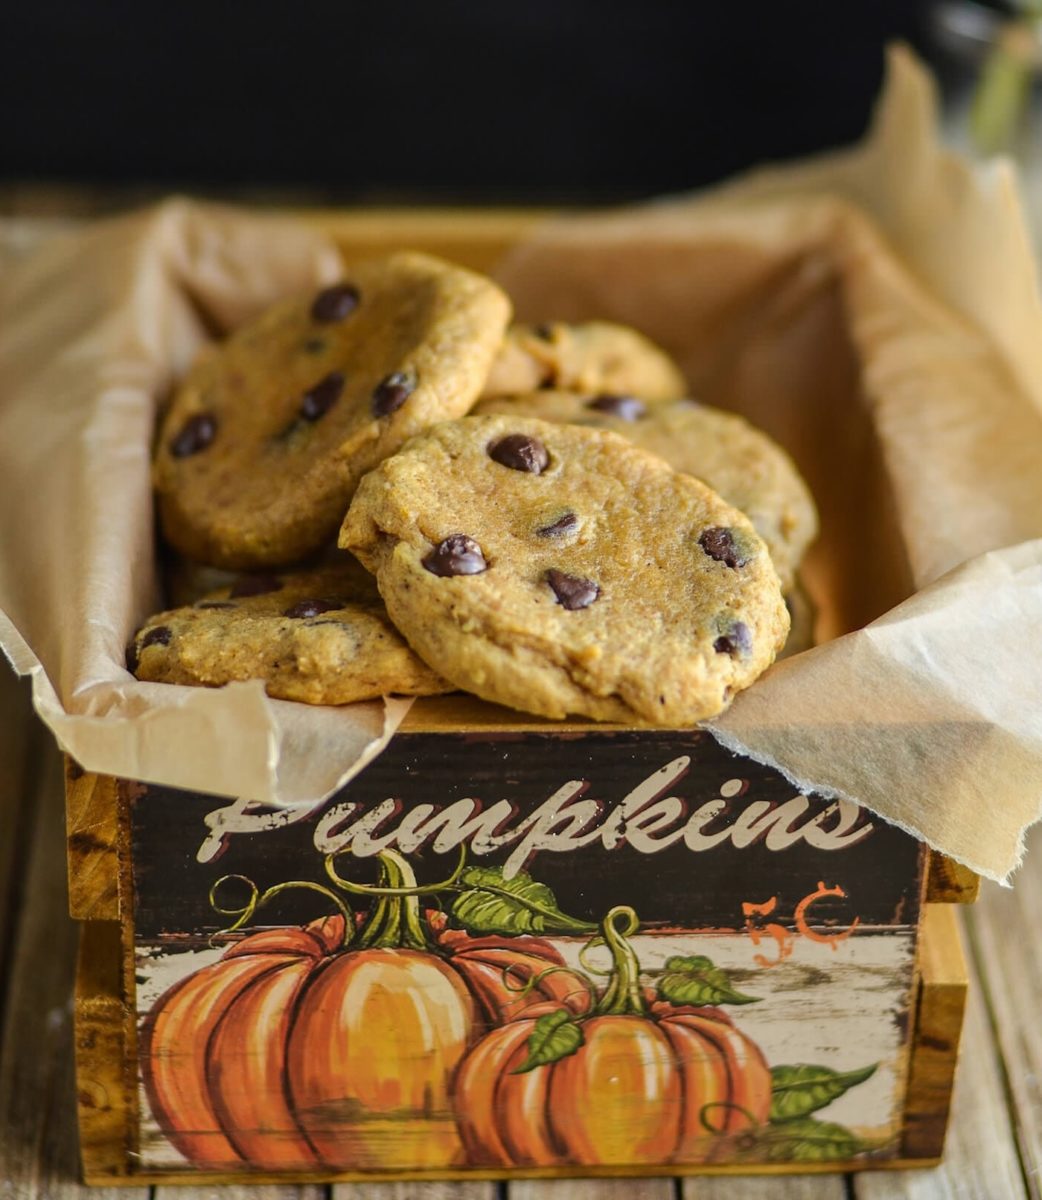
x: 981, y: 1161
x: 233, y: 1191
x: 103, y: 1092
x: 92, y: 821
x: 949, y: 882
x: 415, y: 1191
x: 592, y: 1189
x: 475, y: 239
x: 795, y: 1187
x: 1007, y: 953
x: 935, y: 1049
x: 20, y: 739
x: 38, y: 1159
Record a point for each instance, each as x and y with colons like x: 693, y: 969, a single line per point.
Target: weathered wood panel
x: 949, y: 882
x: 725, y: 866
x: 415, y: 1191
x: 92, y: 820
x: 939, y: 1021
x: 591, y: 1189
x: 20, y: 742
x: 38, y: 1159
x: 795, y: 1187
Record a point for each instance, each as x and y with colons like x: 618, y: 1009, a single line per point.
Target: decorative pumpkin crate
x: 550, y: 949
x: 508, y: 948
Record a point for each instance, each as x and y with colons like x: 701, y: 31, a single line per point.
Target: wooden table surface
x: 994, y: 1146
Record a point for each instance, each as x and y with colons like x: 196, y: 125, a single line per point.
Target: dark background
x: 435, y: 100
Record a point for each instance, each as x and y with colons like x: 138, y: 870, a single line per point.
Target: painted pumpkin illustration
x: 329, y: 1046
x: 633, y: 1083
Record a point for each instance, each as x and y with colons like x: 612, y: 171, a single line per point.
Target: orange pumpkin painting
x: 635, y: 1083
x: 462, y: 1038
x: 301, y: 1048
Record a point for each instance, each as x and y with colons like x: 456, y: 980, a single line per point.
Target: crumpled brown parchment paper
x: 876, y: 310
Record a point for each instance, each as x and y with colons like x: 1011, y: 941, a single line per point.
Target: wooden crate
x: 772, y: 933
x: 839, y: 925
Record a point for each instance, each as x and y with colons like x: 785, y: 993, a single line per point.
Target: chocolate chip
x: 626, y: 408
x: 738, y: 641
x: 456, y: 555
x: 316, y: 402
x: 391, y: 393
x: 560, y: 527
x: 335, y: 303
x: 196, y: 434
x: 132, y: 660
x: 254, y: 585
x: 572, y: 591
x: 311, y: 608
x: 719, y: 543
x: 545, y: 332
x: 520, y: 452
x: 215, y: 604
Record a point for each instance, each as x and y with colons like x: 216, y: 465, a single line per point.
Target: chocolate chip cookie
x: 266, y: 440
x: 744, y: 465
x: 592, y: 357
x: 560, y: 569
x: 322, y: 637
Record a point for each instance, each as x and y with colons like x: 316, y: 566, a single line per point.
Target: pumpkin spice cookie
x: 593, y: 357
x: 321, y: 637
x: 267, y: 438
x: 747, y: 468
x: 559, y: 570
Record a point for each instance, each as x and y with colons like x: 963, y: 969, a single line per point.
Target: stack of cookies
x: 399, y: 493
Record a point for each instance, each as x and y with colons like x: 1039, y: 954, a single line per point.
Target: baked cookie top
x: 591, y: 357
x: 560, y: 569
x: 747, y: 468
x: 321, y: 637
x: 268, y: 436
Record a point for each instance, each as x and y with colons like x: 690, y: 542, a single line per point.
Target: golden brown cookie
x: 743, y: 464
x: 560, y: 569
x: 266, y: 440
x: 322, y: 637
x: 593, y: 357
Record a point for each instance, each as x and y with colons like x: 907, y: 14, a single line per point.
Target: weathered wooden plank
x: 102, y: 1065
x: 37, y: 1118
x: 591, y: 1189
x: 475, y: 239
x: 92, y: 824
x: 1005, y: 944
x: 763, y: 1187
x: 981, y: 1158
x: 232, y: 1191
x: 19, y: 737
x: 942, y: 1002
x: 949, y: 882
x: 414, y: 1191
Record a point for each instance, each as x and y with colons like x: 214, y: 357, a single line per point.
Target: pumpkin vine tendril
x: 727, y: 1105
x: 533, y: 982
x: 258, y: 899
x: 623, y: 994
x: 403, y: 871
